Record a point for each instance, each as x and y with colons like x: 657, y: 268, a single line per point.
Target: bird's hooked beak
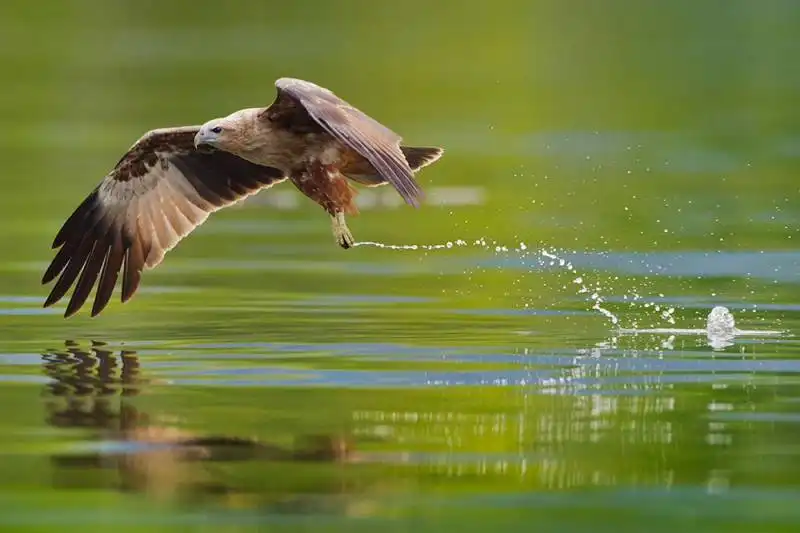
x: 205, y: 139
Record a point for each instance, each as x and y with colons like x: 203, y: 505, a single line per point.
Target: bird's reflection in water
x: 92, y: 390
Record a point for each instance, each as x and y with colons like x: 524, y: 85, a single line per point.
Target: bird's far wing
x: 159, y: 192
x: 297, y: 100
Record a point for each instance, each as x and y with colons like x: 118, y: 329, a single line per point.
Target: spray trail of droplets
x: 447, y: 245
x: 544, y: 256
x: 594, y: 294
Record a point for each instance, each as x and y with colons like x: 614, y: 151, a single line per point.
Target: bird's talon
x: 345, y: 239
x: 341, y: 233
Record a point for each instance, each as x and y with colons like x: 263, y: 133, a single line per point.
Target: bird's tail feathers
x: 419, y: 157
x: 364, y: 173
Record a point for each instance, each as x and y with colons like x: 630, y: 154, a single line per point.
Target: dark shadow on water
x: 94, y: 389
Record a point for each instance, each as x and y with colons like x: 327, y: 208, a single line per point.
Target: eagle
x: 171, y: 179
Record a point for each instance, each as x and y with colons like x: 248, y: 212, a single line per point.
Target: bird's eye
x: 216, y: 129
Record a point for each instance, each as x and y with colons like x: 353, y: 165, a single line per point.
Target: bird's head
x: 217, y: 133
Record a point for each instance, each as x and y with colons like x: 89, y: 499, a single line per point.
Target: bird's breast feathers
x: 328, y: 154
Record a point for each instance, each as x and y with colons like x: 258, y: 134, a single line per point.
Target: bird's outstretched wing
x: 298, y: 101
x: 161, y: 190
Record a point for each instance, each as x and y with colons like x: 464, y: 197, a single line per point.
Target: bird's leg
x: 331, y: 190
x: 341, y: 233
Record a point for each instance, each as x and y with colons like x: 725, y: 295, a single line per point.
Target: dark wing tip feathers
x: 91, y: 248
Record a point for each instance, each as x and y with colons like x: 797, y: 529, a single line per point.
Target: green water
x: 653, y: 146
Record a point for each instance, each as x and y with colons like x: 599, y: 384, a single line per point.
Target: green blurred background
x: 565, y: 112
x: 608, y: 125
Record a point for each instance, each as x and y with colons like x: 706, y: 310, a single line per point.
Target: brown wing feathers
x: 374, y: 141
x: 158, y: 193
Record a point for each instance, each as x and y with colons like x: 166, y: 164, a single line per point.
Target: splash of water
x: 720, y: 323
x: 720, y: 330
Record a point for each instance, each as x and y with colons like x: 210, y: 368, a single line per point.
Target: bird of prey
x: 171, y: 179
